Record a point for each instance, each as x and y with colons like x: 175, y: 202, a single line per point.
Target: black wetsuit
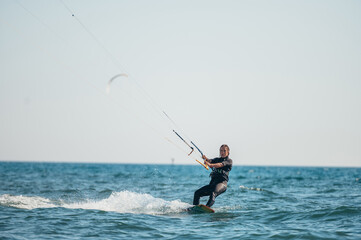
x: 218, y: 183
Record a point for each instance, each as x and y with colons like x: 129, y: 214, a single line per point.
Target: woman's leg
x: 203, y: 191
x: 218, y: 189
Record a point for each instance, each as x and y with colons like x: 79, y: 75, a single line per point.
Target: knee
x: 197, y: 193
x: 220, y: 190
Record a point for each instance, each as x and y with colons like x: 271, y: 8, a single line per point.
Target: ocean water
x: 122, y: 201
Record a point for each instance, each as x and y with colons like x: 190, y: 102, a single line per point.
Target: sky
x: 278, y: 81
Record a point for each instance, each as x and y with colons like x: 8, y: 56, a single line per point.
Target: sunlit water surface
x: 110, y: 201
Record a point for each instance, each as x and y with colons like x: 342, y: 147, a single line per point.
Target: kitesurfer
x: 221, y: 167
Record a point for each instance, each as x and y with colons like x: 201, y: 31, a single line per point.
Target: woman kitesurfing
x: 221, y: 167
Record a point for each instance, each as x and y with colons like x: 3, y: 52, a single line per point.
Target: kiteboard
x: 200, y: 209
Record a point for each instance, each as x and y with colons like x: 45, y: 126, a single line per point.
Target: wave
x: 251, y: 188
x: 121, y: 202
x: 25, y: 202
x: 244, y: 188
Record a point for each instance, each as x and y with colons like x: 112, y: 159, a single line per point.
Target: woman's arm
x: 212, y: 165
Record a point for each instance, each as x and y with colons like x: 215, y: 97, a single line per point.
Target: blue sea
x: 125, y: 201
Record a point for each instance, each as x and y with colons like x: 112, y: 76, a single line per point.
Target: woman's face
x: 223, y: 152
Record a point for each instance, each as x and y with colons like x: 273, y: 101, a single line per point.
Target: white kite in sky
x: 112, y: 79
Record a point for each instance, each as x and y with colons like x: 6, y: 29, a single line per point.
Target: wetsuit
x: 218, y: 183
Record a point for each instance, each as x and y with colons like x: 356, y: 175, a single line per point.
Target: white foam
x: 122, y: 202
x: 25, y: 202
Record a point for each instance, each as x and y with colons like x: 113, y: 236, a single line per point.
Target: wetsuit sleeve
x: 210, y: 160
x: 227, y: 163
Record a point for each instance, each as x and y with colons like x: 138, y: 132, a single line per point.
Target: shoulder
x: 228, y: 162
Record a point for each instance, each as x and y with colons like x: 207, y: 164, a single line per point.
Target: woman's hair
x: 226, y: 146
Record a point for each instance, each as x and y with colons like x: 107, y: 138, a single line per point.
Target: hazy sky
x: 278, y: 81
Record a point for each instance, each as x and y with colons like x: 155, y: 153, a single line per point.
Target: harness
x: 217, y: 172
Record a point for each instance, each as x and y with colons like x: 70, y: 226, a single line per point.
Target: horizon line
x: 183, y: 164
